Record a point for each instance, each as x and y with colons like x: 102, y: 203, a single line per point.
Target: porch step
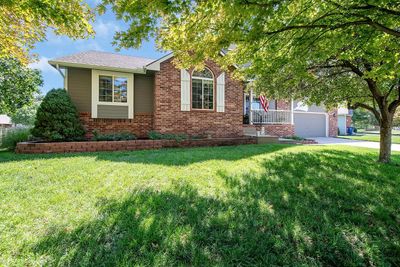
x: 251, y: 131
x: 261, y: 139
x: 267, y: 139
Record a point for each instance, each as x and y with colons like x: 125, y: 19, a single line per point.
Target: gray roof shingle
x: 104, y: 59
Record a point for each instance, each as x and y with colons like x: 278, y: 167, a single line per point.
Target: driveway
x: 348, y: 142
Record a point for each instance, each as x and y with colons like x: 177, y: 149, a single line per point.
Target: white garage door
x: 309, y: 124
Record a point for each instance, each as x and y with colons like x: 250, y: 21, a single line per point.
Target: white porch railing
x: 260, y: 116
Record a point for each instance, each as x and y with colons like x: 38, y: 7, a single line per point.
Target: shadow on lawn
x: 301, y: 210
x: 168, y: 157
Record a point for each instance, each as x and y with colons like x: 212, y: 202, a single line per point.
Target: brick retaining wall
x: 274, y: 129
x: 93, y: 146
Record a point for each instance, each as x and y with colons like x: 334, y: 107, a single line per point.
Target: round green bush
x: 57, y: 118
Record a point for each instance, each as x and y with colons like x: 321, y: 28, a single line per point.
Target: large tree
x: 18, y: 85
x: 324, y: 51
x: 25, y: 22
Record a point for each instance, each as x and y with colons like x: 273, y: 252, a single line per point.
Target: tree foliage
x: 27, y: 114
x: 18, y: 85
x: 57, y: 118
x: 322, y: 51
x: 25, y: 22
x: 364, y: 119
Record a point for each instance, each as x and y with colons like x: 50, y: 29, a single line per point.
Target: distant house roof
x: 103, y: 60
x: 4, y: 119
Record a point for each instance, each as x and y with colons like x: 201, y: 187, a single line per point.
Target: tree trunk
x: 385, y: 142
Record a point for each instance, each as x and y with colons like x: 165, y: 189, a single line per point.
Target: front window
x: 113, y: 89
x: 202, y: 89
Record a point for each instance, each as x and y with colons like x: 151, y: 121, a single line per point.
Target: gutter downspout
x: 64, y: 75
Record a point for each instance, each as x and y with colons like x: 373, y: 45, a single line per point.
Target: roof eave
x: 54, y: 63
x: 155, y: 65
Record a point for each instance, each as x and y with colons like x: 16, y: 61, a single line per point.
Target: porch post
x: 291, y: 112
x: 250, y: 107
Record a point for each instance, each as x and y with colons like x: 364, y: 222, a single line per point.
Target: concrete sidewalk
x: 348, y: 142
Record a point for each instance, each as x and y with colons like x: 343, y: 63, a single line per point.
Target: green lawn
x: 245, y: 205
x: 376, y: 132
x: 371, y: 137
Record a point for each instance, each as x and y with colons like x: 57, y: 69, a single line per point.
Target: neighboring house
x: 5, y: 121
x: 344, y: 120
x: 115, y: 93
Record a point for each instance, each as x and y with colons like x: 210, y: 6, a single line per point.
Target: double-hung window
x: 203, y: 89
x: 113, y: 89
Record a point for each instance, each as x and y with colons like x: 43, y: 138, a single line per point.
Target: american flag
x: 264, y: 102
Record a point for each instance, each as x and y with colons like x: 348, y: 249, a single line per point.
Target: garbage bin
x: 350, y: 130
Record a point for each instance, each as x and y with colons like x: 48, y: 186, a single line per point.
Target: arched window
x: 203, y: 89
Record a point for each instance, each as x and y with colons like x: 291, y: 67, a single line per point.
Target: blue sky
x: 57, y: 46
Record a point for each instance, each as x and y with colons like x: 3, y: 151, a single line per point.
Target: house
x: 5, y: 121
x: 115, y: 93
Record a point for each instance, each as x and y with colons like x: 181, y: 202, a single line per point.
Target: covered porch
x: 279, y: 112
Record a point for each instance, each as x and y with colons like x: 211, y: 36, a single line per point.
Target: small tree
x: 57, y: 118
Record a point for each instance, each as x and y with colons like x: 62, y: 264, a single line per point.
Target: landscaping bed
x: 94, y: 146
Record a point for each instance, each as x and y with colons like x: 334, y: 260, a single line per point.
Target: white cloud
x: 84, y: 45
x: 106, y: 29
x: 43, y: 65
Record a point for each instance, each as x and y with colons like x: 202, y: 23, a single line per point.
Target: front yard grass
x: 371, y: 137
x: 244, y: 205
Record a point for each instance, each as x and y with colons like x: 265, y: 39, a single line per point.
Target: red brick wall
x: 283, y: 104
x: 140, y: 125
x: 275, y: 129
x: 168, y: 117
x: 333, y: 123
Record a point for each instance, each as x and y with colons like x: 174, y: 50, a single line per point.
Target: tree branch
x: 367, y: 107
x: 353, y: 68
x: 396, y: 103
x: 381, y: 9
x: 383, y: 28
x: 320, y: 26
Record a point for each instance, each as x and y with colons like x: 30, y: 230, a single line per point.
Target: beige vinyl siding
x: 79, y: 88
x: 144, y: 93
x: 112, y: 112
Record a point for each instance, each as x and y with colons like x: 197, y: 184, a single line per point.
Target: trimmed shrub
x: 57, y: 118
x: 15, y: 136
x: 123, y: 136
x: 158, y: 136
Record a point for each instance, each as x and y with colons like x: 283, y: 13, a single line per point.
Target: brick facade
x: 140, y: 125
x: 283, y: 105
x: 168, y: 117
x: 333, y: 123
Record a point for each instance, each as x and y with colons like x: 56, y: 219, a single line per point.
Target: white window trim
x: 202, y: 89
x: 95, y: 91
